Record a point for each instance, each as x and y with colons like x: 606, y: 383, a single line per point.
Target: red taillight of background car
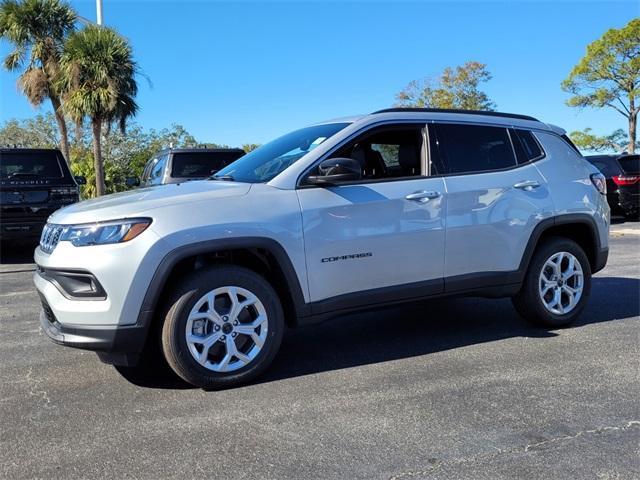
x: 626, y: 179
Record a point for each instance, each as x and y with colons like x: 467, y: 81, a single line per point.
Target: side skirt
x: 486, y: 284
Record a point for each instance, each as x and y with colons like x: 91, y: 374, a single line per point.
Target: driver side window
x: 386, y: 153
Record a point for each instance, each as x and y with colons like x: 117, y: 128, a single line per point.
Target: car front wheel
x: 223, y: 328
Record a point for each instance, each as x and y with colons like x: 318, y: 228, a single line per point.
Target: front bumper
x: 108, y: 317
x: 116, y: 345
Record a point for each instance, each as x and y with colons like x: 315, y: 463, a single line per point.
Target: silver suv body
x: 349, y: 214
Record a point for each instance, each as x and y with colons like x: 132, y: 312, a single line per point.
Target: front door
x: 382, y: 237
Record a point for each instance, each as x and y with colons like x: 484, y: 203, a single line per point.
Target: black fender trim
x: 598, y: 255
x: 170, y: 260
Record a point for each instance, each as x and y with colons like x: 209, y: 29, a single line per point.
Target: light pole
x: 99, y: 12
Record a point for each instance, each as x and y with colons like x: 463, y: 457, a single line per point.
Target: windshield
x: 201, y: 164
x: 274, y: 157
x: 32, y: 164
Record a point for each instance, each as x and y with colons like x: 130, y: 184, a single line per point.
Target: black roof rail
x: 454, y: 110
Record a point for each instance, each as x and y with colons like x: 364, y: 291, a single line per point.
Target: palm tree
x: 97, y: 76
x: 37, y: 29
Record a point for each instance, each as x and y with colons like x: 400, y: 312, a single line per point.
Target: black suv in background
x: 623, y: 181
x: 178, y: 165
x: 33, y: 184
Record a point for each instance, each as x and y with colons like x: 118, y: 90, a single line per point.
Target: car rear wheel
x: 557, y: 284
x: 223, y: 328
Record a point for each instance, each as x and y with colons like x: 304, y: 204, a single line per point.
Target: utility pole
x: 99, y: 12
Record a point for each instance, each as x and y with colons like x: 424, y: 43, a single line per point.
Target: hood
x: 139, y: 202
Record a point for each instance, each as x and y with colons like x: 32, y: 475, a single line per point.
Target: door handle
x: 422, y: 196
x: 527, y: 185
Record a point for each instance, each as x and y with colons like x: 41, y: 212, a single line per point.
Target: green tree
x: 97, y: 76
x: 124, y: 154
x: 609, y: 75
x: 586, y: 140
x: 250, y: 147
x: 38, y: 132
x: 455, y: 88
x: 37, y: 29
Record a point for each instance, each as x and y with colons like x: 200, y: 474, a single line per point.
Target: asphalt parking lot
x: 446, y: 389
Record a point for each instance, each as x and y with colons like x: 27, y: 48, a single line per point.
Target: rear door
x: 494, y: 201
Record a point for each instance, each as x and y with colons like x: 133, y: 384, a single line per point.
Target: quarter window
x: 526, y: 146
x: 470, y: 149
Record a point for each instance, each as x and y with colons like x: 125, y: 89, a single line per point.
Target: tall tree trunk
x: 62, y: 126
x: 633, y: 118
x: 96, y: 125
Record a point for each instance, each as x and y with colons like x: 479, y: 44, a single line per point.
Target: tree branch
x: 622, y: 112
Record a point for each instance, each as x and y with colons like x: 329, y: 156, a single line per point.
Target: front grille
x: 50, y: 237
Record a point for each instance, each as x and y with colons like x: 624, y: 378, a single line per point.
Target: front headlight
x: 103, y: 233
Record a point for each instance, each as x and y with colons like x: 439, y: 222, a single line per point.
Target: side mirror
x: 336, y: 170
x: 80, y: 180
x: 132, y: 182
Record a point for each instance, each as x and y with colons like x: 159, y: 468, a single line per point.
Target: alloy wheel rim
x: 561, y: 283
x: 226, y: 329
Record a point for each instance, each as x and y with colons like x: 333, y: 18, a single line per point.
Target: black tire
x: 152, y: 369
x: 528, y: 302
x: 190, y: 290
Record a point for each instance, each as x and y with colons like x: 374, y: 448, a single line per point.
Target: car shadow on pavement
x: 428, y: 327
x: 422, y: 328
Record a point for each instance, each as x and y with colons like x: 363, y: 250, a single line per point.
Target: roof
x: 26, y: 149
x: 486, y: 113
x: 201, y: 149
x: 449, y: 115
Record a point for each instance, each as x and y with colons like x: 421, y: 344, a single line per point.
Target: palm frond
x: 98, y: 72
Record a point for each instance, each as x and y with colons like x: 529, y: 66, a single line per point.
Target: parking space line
x: 13, y: 294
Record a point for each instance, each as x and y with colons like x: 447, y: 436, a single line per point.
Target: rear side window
x: 31, y: 164
x: 526, y: 146
x: 471, y: 148
x: 201, y: 164
x: 630, y: 164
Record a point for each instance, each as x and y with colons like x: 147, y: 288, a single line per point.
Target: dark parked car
x: 623, y: 181
x: 33, y: 184
x: 182, y: 164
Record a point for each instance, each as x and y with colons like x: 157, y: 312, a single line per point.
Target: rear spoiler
x: 556, y: 129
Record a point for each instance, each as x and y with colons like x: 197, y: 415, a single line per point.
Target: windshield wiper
x: 228, y: 178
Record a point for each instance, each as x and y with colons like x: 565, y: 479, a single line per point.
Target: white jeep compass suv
x: 355, y: 213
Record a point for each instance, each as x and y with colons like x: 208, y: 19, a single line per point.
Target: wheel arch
x: 260, y: 254
x: 581, y: 228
